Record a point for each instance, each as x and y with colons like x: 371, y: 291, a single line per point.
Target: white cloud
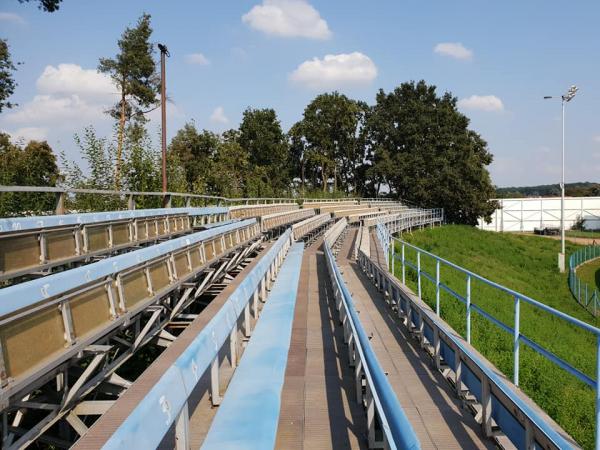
x: 49, y: 109
x: 72, y: 79
x: 287, y: 18
x: 218, y: 116
x: 197, y: 59
x: 596, y: 138
x: 481, y: 103
x: 335, y: 70
x: 30, y: 134
x: 67, y: 96
x: 11, y: 17
x: 454, y: 50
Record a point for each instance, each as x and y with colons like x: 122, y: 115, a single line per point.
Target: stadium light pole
x: 163, y: 106
x: 564, y: 100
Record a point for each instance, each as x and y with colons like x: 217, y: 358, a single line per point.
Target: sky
x: 498, y: 58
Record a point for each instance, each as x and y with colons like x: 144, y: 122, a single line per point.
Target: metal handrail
x: 388, y: 244
x: 397, y: 430
x: 470, y: 370
x: 62, y: 191
x: 66, y: 190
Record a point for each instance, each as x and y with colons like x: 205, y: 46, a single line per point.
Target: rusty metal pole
x: 163, y: 106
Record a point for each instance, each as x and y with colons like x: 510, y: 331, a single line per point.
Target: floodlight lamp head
x: 163, y: 49
x: 570, y: 94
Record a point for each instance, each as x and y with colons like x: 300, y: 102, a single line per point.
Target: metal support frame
x: 108, y: 354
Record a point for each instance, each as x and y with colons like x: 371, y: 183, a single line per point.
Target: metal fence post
x: 516, y: 341
x: 393, y: 257
x: 469, y: 309
x: 403, y: 267
x: 60, y: 203
x: 419, y: 274
x: 437, y: 287
x: 586, y: 294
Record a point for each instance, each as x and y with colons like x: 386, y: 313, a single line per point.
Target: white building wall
x: 525, y: 214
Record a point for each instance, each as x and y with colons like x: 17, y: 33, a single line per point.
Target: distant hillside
x: 582, y: 189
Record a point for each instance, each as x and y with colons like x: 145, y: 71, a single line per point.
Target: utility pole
x: 564, y: 100
x: 164, y: 52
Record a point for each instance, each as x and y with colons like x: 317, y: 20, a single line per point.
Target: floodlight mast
x: 567, y: 97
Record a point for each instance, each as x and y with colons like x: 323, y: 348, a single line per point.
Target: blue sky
x: 498, y: 58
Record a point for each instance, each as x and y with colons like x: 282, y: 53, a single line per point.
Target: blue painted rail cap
x: 22, y: 295
x: 249, y: 414
x: 37, y: 222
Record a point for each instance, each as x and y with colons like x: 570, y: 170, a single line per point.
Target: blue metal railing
x: 388, y: 244
x: 251, y: 407
x: 37, y: 222
x: 397, y: 430
x: 166, y: 403
x: 586, y: 296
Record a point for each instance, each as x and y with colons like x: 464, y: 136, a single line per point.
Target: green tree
x: 7, y: 83
x: 141, y: 165
x: 230, y: 167
x: 260, y: 134
x: 423, y: 148
x: 327, y: 141
x: 194, y: 151
x: 98, y: 153
x: 32, y: 165
x: 133, y: 71
x: 45, y: 5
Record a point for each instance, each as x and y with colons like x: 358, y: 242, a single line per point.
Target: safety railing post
x: 469, y: 309
x: 388, y: 241
x: 586, y: 297
x: 437, y: 287
x: 516, y: 340
x: 60, y: 203
x: 419, y: 273
x: 403, y: 267
x: 393, y: 256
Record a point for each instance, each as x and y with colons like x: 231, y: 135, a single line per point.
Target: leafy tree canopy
x: 134, y: 73
x: 326, y: 140
x: 45, y: 5
x: 31, y: 165
x: 194, y: 150
x: 423, y: 148
x: 260, y: 134
x: 7, y: 82
x: 134, y: 70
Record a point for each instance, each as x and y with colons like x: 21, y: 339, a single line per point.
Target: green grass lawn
x: 526, y: 264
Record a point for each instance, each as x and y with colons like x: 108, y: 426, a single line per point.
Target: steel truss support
x: 87, y: 385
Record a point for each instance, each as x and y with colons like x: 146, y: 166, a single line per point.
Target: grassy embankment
x: 590, y: 273
x: 526, y: 264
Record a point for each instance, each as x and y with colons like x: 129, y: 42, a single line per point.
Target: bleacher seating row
x: 280, y: 219
x: 164, y: 405
x: 30, y: 244
x: 250, y: 409
x: 46, y: 320
x: 245, y: 211
x: 307, y: 226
